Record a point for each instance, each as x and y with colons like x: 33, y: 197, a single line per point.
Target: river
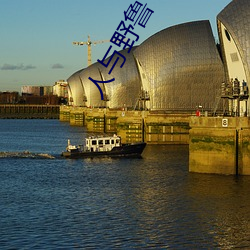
x: 48, y: 202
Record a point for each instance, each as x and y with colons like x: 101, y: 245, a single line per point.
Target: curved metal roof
x: 124, y: 90
x: 75, y: 88
x: 236, y: 18
x: 179, y: 67
x: 182, y: 66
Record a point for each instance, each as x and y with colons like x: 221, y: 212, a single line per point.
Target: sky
x: 36, y: 35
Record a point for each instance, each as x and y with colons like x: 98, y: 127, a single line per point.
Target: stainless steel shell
x: 178, y: 67
x: 182, y: 66
x: 236, y: 18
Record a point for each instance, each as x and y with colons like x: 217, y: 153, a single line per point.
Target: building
x: 60, y: 89
x: 177, y: 69
x: 9, y: 97
x: 124, y: 90
x: 234, y: 34
x: 76, y: 92
x: 37, y: 90
x: 180, y: 67
x: 38, y: 95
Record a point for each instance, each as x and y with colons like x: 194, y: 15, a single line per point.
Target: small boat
x: 101, y: 146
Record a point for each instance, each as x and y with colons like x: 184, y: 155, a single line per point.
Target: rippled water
x: 148, y: 203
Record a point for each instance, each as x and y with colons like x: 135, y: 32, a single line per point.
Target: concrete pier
x: 219, y: 145
x: 132, y: 126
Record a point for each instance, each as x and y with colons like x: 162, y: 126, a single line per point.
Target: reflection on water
x: 107, y: 203
x: 224, y: 201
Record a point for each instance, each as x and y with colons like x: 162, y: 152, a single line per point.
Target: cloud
x: 57, y: 66
x: 29, y: 67
x: 7, y: 66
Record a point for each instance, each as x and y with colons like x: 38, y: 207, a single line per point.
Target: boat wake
x: 26, y: 154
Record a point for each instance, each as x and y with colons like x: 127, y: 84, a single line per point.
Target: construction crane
x: 89, y: 43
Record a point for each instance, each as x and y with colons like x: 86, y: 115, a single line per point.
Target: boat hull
x: 126, y: 150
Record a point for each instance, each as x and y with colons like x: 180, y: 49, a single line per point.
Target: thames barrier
x: 219, y: 145
x: 179, y: 86
x: 174, y: 75
x: 132, y: 126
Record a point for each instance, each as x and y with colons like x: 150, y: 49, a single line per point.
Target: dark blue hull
x: 132, y: 150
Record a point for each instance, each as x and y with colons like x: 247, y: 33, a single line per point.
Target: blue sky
x: 36, y: 35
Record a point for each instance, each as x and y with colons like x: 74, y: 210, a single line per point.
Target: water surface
x: 148, y: 203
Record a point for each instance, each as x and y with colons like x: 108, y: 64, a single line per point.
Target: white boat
x: 103, y: 146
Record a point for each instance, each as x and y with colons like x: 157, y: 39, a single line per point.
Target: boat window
x: 100, y: 142
x: 117, y: 141
x: 112, y: 141
x: 107, y: 142
x: 93, y: 142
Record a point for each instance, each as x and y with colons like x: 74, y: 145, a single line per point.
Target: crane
x: 89, y: 43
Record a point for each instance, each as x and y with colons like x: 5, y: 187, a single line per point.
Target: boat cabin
x: 105, y: 143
